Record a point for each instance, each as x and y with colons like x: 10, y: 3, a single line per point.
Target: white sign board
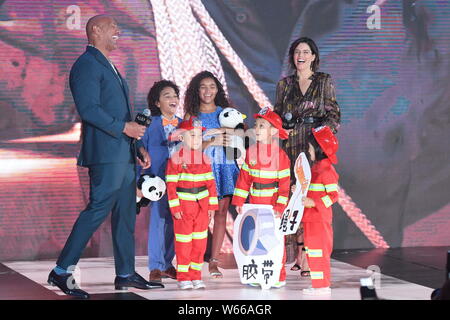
x: 292, y: 215
x: 258, y: 245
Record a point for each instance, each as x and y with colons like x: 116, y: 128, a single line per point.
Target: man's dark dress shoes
x: 67, y: 284
x: 135, y: 281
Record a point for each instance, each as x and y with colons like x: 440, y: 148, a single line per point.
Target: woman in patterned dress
x: 205, y: 98
x: 310, y: 97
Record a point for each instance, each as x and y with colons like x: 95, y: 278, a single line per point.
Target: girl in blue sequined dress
x: 205, y: 98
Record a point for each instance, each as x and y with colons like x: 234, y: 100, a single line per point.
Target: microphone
x: 288, y: 121
x: 144, y: 119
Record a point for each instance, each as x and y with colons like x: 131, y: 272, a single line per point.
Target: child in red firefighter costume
x: 317, y: 216
x: 265, y: 174
x: 192, y: 198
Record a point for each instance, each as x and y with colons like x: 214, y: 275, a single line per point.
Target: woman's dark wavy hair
x: 314, y: 50
x: 192, y: 97
x: 155, y: 93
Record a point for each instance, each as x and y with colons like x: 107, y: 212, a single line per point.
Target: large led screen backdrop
x: 390, y: 61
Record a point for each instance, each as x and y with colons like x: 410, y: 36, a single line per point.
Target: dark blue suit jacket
x: 101, y: 99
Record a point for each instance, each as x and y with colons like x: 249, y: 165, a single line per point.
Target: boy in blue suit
x: 163, y: 99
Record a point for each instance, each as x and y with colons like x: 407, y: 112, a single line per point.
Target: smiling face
x: 168, y: 102
x: 105, y: 33
x: 303, y: 57
x: 207, y: 91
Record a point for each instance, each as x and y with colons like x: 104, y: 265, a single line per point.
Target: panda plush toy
x: 233, y: 119
x: 153, y: 188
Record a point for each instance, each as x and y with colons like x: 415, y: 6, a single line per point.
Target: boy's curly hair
x: 155, y: 93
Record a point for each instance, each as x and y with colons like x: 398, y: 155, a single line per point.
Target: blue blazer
x: 101, y: 99
x: 154, y: 140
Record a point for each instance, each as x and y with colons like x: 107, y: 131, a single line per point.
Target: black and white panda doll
x: 153, y: 189
x: 234, y: 119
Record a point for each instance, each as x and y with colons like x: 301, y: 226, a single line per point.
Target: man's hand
x: 239, y: 209
x: 134, y: 130
x: 147, y: 160
x: 278, y: 214
x: 178, y: 215
x: 308, y: 202
x: 210, y: 214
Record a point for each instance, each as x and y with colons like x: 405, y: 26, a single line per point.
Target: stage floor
x: 27, y: 280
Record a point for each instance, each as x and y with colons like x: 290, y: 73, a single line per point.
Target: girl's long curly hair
x: 155, y: 93
x: 192, y: 97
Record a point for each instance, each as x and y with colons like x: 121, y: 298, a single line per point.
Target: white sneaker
x: 198, y: 284
x: 184, y: 285
x: 317, y: 291
x: 279, y: 284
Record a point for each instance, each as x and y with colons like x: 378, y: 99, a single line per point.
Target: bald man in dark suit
x: 109, y: 151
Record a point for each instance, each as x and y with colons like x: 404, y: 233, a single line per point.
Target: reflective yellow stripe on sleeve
x: 331, y: 187
x: 174, y: 203
x: 241, y: 193
x: 284, y: 173
x: 282, y: 200
x: 213, y: 200
x: 316, y: 187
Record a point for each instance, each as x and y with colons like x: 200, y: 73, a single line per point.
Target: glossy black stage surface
x: 420, y: 265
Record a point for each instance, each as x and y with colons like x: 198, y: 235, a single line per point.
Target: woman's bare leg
x: 220, y: 220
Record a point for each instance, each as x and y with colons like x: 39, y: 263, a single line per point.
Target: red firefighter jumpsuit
x: 265, y: 174
x: 318, y: 231
x: 191, y: 190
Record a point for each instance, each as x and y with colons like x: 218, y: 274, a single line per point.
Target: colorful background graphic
x: 390, y: 61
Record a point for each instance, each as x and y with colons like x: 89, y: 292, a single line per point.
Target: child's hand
x: 293, y: 188
x: 210, y: 214
x: 239, y: 209
x: 178, y: 215
x: 221, y: 140
x: 139, y: 193
x: 214, y: 131
x: 308, y: 202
